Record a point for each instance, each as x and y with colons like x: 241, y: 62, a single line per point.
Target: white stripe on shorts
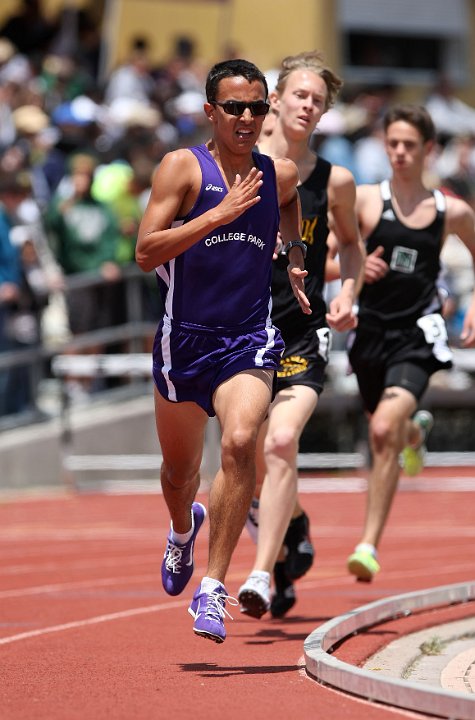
x: 167, y: 358
x: 258, y: 358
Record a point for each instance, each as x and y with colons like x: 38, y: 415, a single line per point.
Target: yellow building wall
x: 50, y: 7
x: 268, y: 30
x: 263, y: 31
x: 162, y: 21
x: 7, y: 8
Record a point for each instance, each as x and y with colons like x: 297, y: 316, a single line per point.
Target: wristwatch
x: 299, y: 244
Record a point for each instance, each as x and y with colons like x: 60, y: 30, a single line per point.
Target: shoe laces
x: 253, y: 513
x: 253, y: 518
x: 216, y: 605
x: 173, y: 557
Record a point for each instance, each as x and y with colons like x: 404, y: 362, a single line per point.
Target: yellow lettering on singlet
x: 308, y: 230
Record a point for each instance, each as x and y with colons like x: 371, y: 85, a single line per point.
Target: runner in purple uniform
x: 209, y: 231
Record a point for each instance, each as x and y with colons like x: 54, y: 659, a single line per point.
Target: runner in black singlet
x: 401, y: 339
x: 306, y: 88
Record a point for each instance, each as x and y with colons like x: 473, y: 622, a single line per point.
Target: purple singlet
x: 217, y: 295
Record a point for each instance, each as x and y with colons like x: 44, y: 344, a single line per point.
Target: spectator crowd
x: 77, y: 155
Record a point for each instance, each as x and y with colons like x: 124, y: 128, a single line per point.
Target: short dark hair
x: 232, y: 68
x: 415, y: 115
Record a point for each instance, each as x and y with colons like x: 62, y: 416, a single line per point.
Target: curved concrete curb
x: 399, y: 693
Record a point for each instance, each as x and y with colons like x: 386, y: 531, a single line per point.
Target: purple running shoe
x: 208, y: 610
x: 177, y: 564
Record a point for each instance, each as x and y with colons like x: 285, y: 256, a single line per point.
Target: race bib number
x: 403, y: 259
x: 324, y: 343
x: 433, y: 327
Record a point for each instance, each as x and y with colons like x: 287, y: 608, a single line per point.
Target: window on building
x: 395, y: 51
x: 404, y: 41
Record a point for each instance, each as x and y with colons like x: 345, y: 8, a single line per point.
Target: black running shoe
x: 284, y: 596
x: 300, y: 550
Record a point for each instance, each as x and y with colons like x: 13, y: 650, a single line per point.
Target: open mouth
x: 244, y: 134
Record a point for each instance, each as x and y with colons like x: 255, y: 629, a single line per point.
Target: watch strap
x: 296, y: 243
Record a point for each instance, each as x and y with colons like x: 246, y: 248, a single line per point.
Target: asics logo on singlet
x: 214, y: 188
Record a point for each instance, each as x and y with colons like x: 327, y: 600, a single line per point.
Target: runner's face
x: 302, y: 102
x: 405, y: 147
x: 239, y: 132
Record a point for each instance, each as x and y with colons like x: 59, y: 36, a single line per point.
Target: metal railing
x: 134, y: 331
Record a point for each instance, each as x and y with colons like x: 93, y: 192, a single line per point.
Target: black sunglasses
x: 235, y: 107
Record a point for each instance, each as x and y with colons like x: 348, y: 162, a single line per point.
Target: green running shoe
x: 363, y: 565
x: 412, y: 459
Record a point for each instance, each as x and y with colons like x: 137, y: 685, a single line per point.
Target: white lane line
x: 91, y: 621
x: 61, y: 587
x: 378, y: 589
x: 302, y: 667
x: 83, y: 534
x: 355, y: 485
x: 98, y: 562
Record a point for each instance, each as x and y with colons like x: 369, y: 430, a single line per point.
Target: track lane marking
x: 59, y: 587
x: 92, y: 621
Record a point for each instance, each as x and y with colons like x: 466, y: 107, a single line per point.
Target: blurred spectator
x: 451, y: 116
x: 371, y: 160
x: 455, y: 166
x: 132, y: 80
x: 122, y: 186
x: 84, y: 235
x: 186, y: 113
x: 364, y: 115
x: 330, y: 140
x: 42, y: 297
x: 180, y: 90
x: 184, y: 66
x: 182, y: 72
x: 83, y: 230
x: 10, y: 278
x: 30, y: 30
x: 61, y: 80
x: 18, y: 87
x: 7, y: 52
x: 40, y: 277
x: 29, y: 149
x: 74, y: 129
x: 89, y: 45
x: 126, y: 188
x: 458, y: 281
x: 25, y: 321
x: 7, y: 126
x: 129, y: 124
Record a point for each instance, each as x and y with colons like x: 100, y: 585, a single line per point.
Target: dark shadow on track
x: 212, y: 670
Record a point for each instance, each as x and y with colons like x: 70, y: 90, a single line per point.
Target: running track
x: 87, y: 632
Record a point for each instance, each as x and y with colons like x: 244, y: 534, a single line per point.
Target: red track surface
x: 87, y: 632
